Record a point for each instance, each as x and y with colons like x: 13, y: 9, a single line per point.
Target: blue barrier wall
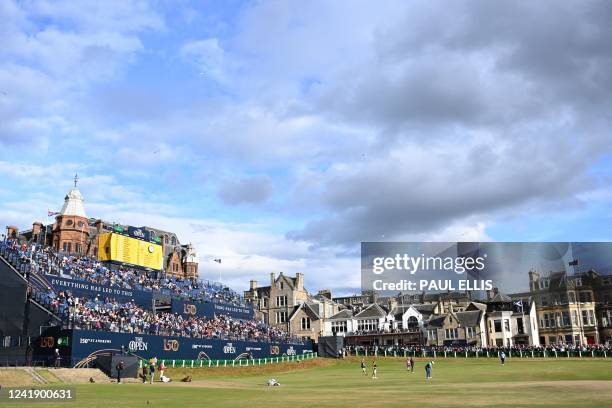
x: 75, y: 345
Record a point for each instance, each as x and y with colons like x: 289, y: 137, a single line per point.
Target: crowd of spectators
x: 110, y: 315
x: 46, y: 260
x: 128, y: 317
x: 517, y: 348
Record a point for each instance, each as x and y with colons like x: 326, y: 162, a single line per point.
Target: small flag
x: 218, y: 260
x: 573, y: 263
x: 519, y: 305
x: 52, y: 213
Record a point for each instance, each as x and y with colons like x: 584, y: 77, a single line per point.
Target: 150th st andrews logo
x: 189, y: 309
x: 171, y: 345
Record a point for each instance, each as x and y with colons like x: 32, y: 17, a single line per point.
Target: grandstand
x: 86, y: 306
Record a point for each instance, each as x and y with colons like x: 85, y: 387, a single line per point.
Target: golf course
x: 340, y: 383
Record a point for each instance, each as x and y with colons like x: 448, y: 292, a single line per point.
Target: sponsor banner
x: 208, y: 309
x: 477, y: 267
x: 91, y: 290
x: 82, y: 343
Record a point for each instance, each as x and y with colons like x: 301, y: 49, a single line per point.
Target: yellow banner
x: 119, y: 248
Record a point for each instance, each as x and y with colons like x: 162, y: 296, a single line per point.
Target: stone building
x: 286, y: 304
x: 568, y: 307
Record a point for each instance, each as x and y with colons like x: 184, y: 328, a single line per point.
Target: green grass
x: 324, y: 383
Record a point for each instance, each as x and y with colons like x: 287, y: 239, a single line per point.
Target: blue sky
x: 278, y: 135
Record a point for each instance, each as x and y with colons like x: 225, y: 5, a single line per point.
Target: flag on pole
x: 573, y: 263
x: 519, y: 305
x: 52, y: 213
x: 217, y: 260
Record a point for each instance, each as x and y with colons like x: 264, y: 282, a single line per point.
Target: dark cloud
x: 248, y: 190
x: 481, y: 64
x: 477, y: 108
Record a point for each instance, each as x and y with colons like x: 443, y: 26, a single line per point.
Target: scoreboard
x: 113, y: 246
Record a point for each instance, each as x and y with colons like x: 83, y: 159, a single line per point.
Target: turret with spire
x: 71, y: 228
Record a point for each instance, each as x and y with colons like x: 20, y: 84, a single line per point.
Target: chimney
x: 253, y: 284
x: 36, y: 227
x: 99, y: 224
x: 12, y: 231
x: 491, y: 293
x: 534, y: 277
x: 299, y: 281
x: 272, y: 278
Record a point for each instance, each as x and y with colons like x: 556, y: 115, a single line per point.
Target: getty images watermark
x: 392, y: 267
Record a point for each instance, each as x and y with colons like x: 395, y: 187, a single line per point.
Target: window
x: 585, y: 297
x: 432, y: 334
x: 451, y: 333
x: 566, y: 320
x: 80, y: 224
x: 68, y: 222
x: 282, y: 285
x: 498, y: 326
x: 568, y: 338
x: 413, y: 323
x: 339, y: 327
x: 507, y: 325
x: 585, y: 318
x: 281, y: 301
x: 265, y: 302
x: 519, y: 325
x: 367, y: 325
x: 77, y: 248
x: 281, y: 317
x: 305, y: 323
x: 471, y: 332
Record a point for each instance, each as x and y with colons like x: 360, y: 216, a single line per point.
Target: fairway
x: 329, y: 383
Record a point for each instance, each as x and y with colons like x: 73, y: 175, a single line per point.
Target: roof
x: 73, y: 204
x: 307, y: 309
x: 476, y: 306
x: 470, y: 318
x: 374, y: 310
x: 437, y: 321
x: 500, y: 297
x: 343, y: 314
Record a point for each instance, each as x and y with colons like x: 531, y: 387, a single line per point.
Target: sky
x: 278, y: 135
